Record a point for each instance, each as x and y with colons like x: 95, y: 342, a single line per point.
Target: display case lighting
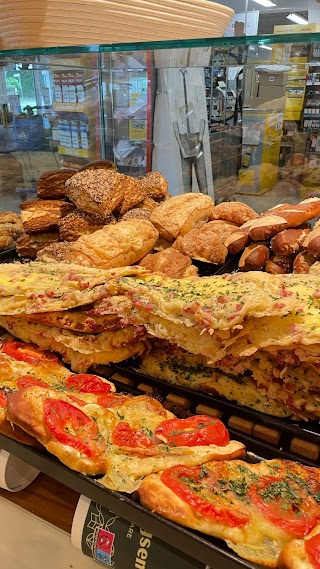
x: 297, y: 18
x: 265, y: 3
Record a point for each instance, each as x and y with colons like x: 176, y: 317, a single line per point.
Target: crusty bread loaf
x: 51, y: 184
x: 177, y: 216
x: 29, y: 245
x: 117, y: 245
x: 43, y: 215
x: 78, y: 223
x: 170, y: 263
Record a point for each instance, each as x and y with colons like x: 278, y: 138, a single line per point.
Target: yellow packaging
x: 296, y: 29
x: 292, y: 115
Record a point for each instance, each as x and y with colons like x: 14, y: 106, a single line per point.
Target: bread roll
x: 223, y: 228
x: 133, y: 194
x: 278, y: 265
x: 237, y: 212
x: 136, y: 213
x: 114, y: 245
x: 51, y: 184
x: 78, y: 223
x: 254, y: 257
x: 303, y: 263
x: 289, y: 241
x: 6, y: 242
x: 40, y: 216
x: 177, y: 216
x: 96, y: 191
x: 170, y: 263
x: 203, y: 246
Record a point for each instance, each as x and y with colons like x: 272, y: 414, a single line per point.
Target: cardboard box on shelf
x: 296, y: 29
x: 272, y: 79
x: 259, y: 171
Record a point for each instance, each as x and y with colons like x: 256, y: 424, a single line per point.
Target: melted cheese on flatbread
x: 80, y: 350
x: 258, y: 540
x: 45, y: 287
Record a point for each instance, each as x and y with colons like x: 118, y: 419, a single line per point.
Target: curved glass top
x: 169, y: 44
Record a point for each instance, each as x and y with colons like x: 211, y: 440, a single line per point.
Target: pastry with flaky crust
x: 30, y: 245
x: 180, y: 214
x: 51, y: 184
x: 170, y: 263
x: 133, y: 194
x: 114, y: 245
x: 202, y: 245
x: 6, y: 242
x: 38, y: 216
x: 154, y: 185
x: 148, y: 203
x: 96, y: 191
x: 78, y: 223
x: 236, y: 212
x: 136, y: 213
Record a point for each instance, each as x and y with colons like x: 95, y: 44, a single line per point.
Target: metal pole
x: 246, y: 18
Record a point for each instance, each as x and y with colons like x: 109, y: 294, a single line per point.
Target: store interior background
x: 25, y: 153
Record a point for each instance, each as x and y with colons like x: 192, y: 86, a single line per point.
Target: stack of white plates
x: 44, y: 23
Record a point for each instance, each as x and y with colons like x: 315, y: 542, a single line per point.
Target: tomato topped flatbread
x: 302, y: 553
x: 194, y: 431
x: 256, y: 508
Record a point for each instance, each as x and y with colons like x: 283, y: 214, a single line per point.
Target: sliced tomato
x: 312, y: 546
x: 3, y: 400
x: 285, y: 504
x: 71, y: 426
x: 186, y: 483
x: 125, y: 436
x: 77, y: 401
x: 194, y: 431
x: 27, y: 352
x: 88, y: 383
x: 111, y: 400
x: 28, y: 381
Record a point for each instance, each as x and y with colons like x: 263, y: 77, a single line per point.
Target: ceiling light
x: 265, y: 3
x: 266, y: 47
x: 297, y: 19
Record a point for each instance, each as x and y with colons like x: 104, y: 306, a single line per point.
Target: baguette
x: 284, y: 216
x: 289, y: 241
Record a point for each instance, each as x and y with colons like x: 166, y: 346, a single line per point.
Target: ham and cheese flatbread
x: 256, y: 508
x: 80, y: 350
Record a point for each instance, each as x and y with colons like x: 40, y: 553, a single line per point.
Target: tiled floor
x: 26, y: 542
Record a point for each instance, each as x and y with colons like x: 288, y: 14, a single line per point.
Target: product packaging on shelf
x: 115, y: 542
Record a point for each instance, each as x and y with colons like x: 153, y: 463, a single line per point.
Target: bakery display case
x: 153, y: 164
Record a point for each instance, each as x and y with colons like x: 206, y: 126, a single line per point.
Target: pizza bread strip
x: 76, y: 320
x: 302, y: 553
x: 223, y: 500
x: 76, y: 434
